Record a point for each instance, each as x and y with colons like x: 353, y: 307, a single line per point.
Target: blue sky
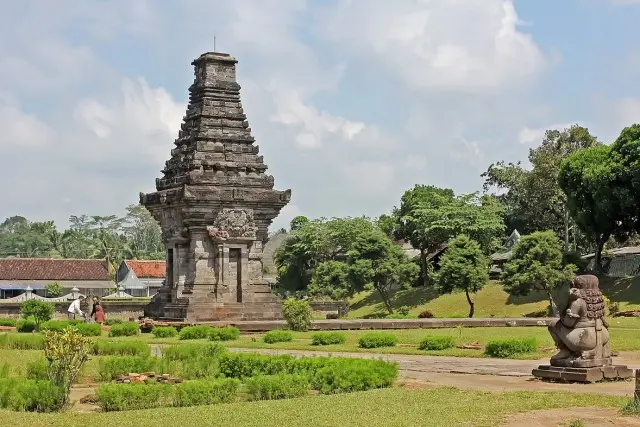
x: 351, y: 102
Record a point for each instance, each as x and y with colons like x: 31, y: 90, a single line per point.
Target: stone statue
x: 581, y: 332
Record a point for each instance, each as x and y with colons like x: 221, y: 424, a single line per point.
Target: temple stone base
x: 582, y: 375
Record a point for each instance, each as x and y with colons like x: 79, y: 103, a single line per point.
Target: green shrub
x: 377, y: 339
x: 126, y: 329
x: 186, y: 352
x: 56, y: 325
x: 298, y: 314
x: 246, y: 365
x: 426, y: 314
x: 437, y: 342
x: 404, y: 310
x: 89, y: 329
x: 111, y: 367
x: 198, y: 332
x: 37, y: 369
x: 349, y: 375
x: 205, y: 392
x: 127, y: 397
x: 26, y: 325
x: 328, y: 338
x: 39, y: 310
x: 4, y: 321
x: 111, y: 322
x: 275, y: 336
x: 281, y: 386
x: 164, y: 332
x: 19, y: 394
x: 121, y: 348
x: 509, y: 347
x: 224, y: 334
x: 22, y: 342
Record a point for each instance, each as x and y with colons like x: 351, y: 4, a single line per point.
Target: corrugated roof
x: 49, y: 269
x: 627, y: 250
x: 147, y: 269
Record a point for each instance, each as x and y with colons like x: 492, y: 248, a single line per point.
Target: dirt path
x: 590, y: 417
x: 479, y: 373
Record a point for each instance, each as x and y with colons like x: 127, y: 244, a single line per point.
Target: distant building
x: 619, y: 262
x: 141, y: 278
x: 90, y: 276
x: 505, y: 253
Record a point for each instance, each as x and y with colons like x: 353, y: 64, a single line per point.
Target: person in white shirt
x: 74, y: 308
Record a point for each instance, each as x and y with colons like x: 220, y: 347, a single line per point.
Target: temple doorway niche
x: 235, y: 271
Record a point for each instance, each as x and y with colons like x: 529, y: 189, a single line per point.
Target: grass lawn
x: 408, y: 340
x: 491, y: 301
x: 386, y: 407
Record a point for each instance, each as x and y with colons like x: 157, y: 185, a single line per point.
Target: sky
x: 352, y: 102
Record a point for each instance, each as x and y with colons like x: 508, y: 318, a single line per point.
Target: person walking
x: 74, y: 308
x: 99, y: 312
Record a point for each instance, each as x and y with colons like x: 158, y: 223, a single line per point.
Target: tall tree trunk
x: 552, y: 304
x: 471, y: 304
x: 385, y: 299
x: 566, y: 229
x: 423, y: 266
x: 597, y: 261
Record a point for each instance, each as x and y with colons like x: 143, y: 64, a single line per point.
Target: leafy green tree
x: 537, y: 265
x: 54, y: 289
x: 143, y: 235
x: 298, y: 222
x: 298, y: 314
x: 429, y: 217
x: 464, y: 267
x: 532, y: 197
x: 40, y: 311
x: 375, y: 260
x: 597, y: 202
x: 331, y: 279
x: 22, y: 238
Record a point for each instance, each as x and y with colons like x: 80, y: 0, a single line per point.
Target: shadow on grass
x: 625, y: 289
x: 410, y: 297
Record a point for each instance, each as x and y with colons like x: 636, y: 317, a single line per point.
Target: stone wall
x: 124, y: 309
x: 322, y: 308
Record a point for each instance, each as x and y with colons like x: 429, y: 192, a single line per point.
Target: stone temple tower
x: 215, y: 203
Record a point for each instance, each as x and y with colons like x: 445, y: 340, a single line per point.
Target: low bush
x: 186, y: 352
x: 275, y: 336
x: 125, y: 329
x: 38, y: 310
x: 404, y: 310
x: 164, y: 332
x: 205, y: 392
x: 121, y: 348
x: 377, y: 339
x: 26, y: 325
x: 37, y: 369
x: 224, y: 334
x: 57, y: 325
x: 111, y: 322
x: 198, y: 332
x: 246, y: 365
x: 509, y: 347
x: 396, y: 316
x: 426, y: 314
x: 111, y: 367
x: 328, y: 338
x: 5, y: 321
x: 281, y: 386
x: 89, y: 329
x: 127, y: 397
x: 437, y: 342
x: 19, y: 394
x: 22, y: 342
x: 342, y: 375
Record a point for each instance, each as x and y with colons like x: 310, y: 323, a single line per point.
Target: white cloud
x: 440, y: 45
x: 22, y: 131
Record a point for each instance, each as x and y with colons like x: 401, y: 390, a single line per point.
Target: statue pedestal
x: 582, y: 375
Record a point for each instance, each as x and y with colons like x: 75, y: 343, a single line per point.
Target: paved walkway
x: 478, y: 373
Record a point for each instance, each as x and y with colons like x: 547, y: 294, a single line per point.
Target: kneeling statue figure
x: 581, y: 332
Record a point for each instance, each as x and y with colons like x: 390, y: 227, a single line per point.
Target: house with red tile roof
x: 141, y: 278
x: 90, y: 276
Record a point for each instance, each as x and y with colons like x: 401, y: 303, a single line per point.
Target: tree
x: 22, y: 238
x: 597, y: 202
x: 142, y: 233
x: 536, y: 265
x: 54, y: 289
x: 41, y: 311
x: 331, y: 279
x: 298, y: 222
x: 298, y: 314
x: 533, y: 198
x: 463, y: 268
x: 375, y: 260
x: 429, y: 217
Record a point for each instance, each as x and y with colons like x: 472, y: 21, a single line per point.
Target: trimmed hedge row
x: 121, y: 348
x: 504, y: 348
x: 328, y: 338
x: 22, y: 341
x: 377, y: 339
x: 201, y: 332
x: 437, y: 342
x: 276, y: 336
x: 19, y: 394
x: 124, y: 329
